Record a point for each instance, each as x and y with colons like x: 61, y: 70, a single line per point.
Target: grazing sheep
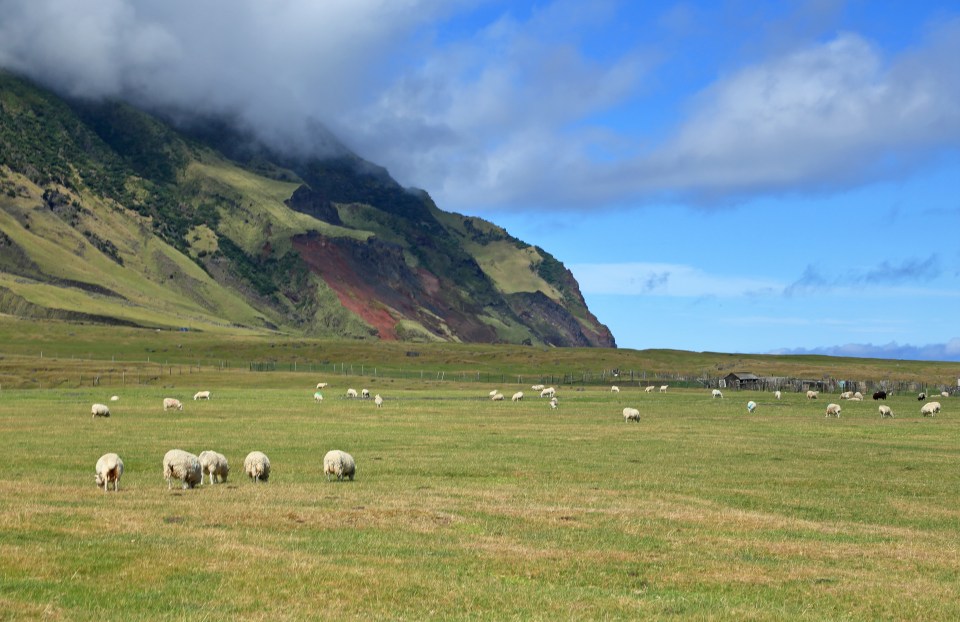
x: 517, y: 396
x: 548, y: 392
x: 378, y: 400
x: 776, y: 394
x: 663, y: 388
x: 846, y: 395
x: 109, y: 469
x: 114, y: 398
x: 215, y: 465
x: 537, y: 387
x: 833, y: 410
x: 631, y: 414
x: 856, y: 398
x: 944, y: 394
x: 172, y: 402
x: 182, y: 465
x: 201, y: 395
x: 812, y: 395
x: 751, y: 406
x: 614, y: 389
x: 321, y: 385
x: 930, y: 408
x: 257, y: 466
x: 885, y: 411
x: 318, y: 397
x: 880, y: 395
x: 351, y: 393
x: 339, y: 463
x: 553, y: 402
x: 921, y: 397
x: 364, y: 394
x: 716, y: 393
x: 497, y: 397
x: 99, y: 410
x: 649, y: 389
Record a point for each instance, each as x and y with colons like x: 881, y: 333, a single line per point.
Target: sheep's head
x: 101, y: 481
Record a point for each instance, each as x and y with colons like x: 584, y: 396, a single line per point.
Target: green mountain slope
x: 112, y: 215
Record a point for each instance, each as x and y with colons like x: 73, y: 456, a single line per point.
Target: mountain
x: 110, y: 214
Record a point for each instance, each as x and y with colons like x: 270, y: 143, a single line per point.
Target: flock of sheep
x: 190, y: 469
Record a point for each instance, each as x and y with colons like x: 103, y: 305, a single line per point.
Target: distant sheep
x: 492, y: 393
x: 215, y: 465
x: 318, y: 397
x: 378, y: 400
x: 856, y: 398
x: 663, y: 388
x: 518, y: 396
x: 114, y: 398
x: 321, y: 385
x: 340, y: 464
x: 751, y: 406
x: 257, y: 466
x: 553, y: 402
x: 201, y: 395
x: 846, y: 395
x: 172, y: 403
x: 614, y: 389
x: 812, y: 395
x: 776, y: 394
x: 351, y: 393
x: 944, y: 394
x: 548, y: 392
x: 833, y: 410
x: 885, y: 411
x: 716, y: 393
x: 649, y: 389
x: 930, y: 409
x: 99, y: 410
x: 921, y: 397
x: 364, y: 394
x: 537, y: 387
x: 109, y: 469
x: 880, y: 395
x: 182, y: 465
x: 631, y: 414
x: 497, y: 397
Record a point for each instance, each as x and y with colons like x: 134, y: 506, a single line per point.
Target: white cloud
x: 662, y: 279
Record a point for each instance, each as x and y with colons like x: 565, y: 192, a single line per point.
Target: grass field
x: 465, y: 509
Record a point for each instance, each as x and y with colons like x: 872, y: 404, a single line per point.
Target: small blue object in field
x: 751, y: 406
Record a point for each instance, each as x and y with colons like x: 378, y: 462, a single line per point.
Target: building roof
x: 743, y: 376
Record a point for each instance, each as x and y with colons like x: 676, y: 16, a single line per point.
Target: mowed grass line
x: 468, y: 509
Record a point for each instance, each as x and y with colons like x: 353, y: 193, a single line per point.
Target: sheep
x: 201, y: 395
x: 364, y: 394
x: 553, y: 403
x: 812, y: 395
x: 885, y: 411
x: 498, y: 397
x: 548, y: 392
x: 99, y: 410
x: 631, y: 414
x: 857, y: 396
x: 776, y: 394
x: 492, y: 393
x: 944, y: 394
x: 716, y: 393
x: 171, y: 402
x: 537, y: 387
x: 921, y: 397
x: 751, y: 406
x: 833, y: 410
x: 351, y: 393
x: 518, y: 396
x: 318, y: 397
x: 215, y: 465
x: 880, y: 395
x: 663, y: 388
x: 930, y: 408
x: 114, y: 398
x: 109, y: 469
x: 846, y: 395
x: 182, y: 465
x: 649, y: 389
x: 378, y: 400
x: 257, y: 466
x: 321, y: 385
x: 614, y: 389
x: 855, y: 399
x: 339, y: 463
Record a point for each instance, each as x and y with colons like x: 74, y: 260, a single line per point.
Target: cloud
x: 658, y: 279
x: 948, y: 351
x: 910, y: 271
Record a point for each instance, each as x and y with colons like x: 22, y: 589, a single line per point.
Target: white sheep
x: 321, y: 385
x: 553, y: 402
x: 944, y: 394
x: 182, y: 465
x: 885, y: 411
x: 649, y: 389
x: 109, y: 469
x: 339, y: 463
x: 631, y: 414
x: 257, y: 466
x: 364, y: 394
x: 492, y: 393
x: 812, y: 395
x: 857, y: 396
x: 497, y: 397
x: 318, y: 397
x: 751, y: 406
x: 517, y: 396
x: 114, y: 398
x: 99, y: 410
x: 663, y: 388
x: 846, y: 395
x: 201, y: 395
x: 537, y: 387
x: 833, y: 410
x: 776, y: 394
x: 548, y: 392
x: 215, y: 465
x: 716, y: 393
x: 351, y: 393
x: 378, y: 400
x: 172, y: 403
x: 930, y: 408
x: 614, y: 389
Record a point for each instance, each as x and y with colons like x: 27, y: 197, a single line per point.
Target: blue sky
x: 724, y: 176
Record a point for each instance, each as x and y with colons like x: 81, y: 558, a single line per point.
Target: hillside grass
x: 465, y: 509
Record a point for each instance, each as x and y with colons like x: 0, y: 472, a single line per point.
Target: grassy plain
x: 465, y: 509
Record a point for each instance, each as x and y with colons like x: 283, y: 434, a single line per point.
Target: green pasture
x: 466, y: 509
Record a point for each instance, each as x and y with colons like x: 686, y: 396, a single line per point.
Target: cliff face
x: 111, y: 214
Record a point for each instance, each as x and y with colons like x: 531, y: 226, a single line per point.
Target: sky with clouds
x: 724, y: 176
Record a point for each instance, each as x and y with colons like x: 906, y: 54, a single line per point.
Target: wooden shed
x: 740, y: 380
